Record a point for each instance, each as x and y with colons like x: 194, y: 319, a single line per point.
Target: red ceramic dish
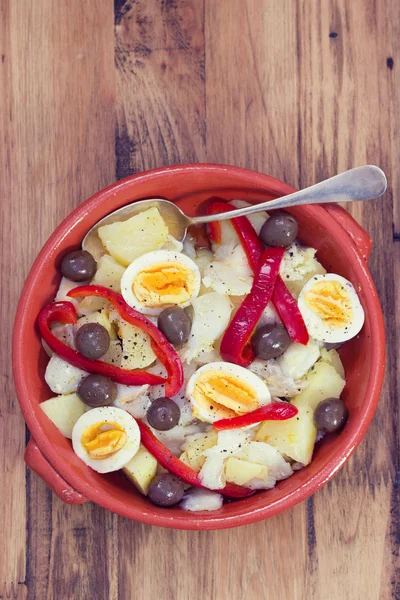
x: 343, y: 247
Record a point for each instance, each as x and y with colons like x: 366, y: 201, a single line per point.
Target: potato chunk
x: 109, y: 273
x: 129, y: 239
x: 332, y: 357
x: 194, y: 453
x: 141, y: 469
x: 323, y: 381
x: 294, y: 437
x: 241, y: 471
x: 137, y: 352
x: 64, y: 411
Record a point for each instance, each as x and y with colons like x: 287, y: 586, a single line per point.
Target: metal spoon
x: 362, y: 183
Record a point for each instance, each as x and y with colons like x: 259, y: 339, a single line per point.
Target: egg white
x: 148, y: 260
x: 122, y: 456
x: 317, y: 327
x: 259, y: 387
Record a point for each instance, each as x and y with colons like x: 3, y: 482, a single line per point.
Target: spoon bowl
x: 176, y: 221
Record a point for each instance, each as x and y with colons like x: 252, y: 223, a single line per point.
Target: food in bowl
x: 203, y: 369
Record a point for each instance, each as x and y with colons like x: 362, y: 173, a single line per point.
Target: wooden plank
x: 159, y: 57
x: 233, y: 564
x: 252, y: 86
x: 12, y: 428
x: 57, y: 145
x: 344, y: 123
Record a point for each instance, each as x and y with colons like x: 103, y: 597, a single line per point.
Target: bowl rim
x: 189, y: 520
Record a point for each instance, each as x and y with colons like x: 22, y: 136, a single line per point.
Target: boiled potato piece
x: 184, y: 458
x: 323, y: 381
x: 102, y: 319
x: 332, y: 357
x: 294, y: 437
x: 114, y: 353
x: 241, y: 471
x: 109, y: 273
x: 137, y: 352
x: 265, y: 454
x: 129, y: 239
x: 141, y: 469
x: 64, y: 411
x: 91, y: 304
x: 94, y: 246
x: 194, y: 452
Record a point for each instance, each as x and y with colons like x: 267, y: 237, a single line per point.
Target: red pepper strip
x: 289, y: 313
x: 278, y: 411
x: 235, y: 346
x: 64, y: 312
x: 249, y: 239
x: 162, y: 348
x: 282, y: 299
x: 170, y: 462
x: 214, y: 228
x: 199, y: 234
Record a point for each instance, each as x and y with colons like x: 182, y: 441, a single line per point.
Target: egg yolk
x: 161, y: 284
x: 331, y: 301
x: 223, y: 395
x: 102, y: 440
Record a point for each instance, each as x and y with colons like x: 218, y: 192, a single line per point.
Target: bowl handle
x: 359, y: 236
x: 37, y: 462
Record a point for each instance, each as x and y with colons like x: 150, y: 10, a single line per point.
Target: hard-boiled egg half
x: 223, y: 390
x: 331, y: 309
x: 160, y: 279
x: 106, y: 438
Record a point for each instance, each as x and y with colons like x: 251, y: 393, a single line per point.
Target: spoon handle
x: 362, y: 183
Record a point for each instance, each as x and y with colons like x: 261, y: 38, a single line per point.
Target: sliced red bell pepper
x: 235, y: 346
x: 282, y: 299
x: 64, y: 312
x: 161, y: 347
x: 289, y: 313
x: 249, y: 239
x: 277, y: 411
x: 170, y: 462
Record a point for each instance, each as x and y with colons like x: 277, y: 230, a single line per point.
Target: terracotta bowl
x: 343, y: 247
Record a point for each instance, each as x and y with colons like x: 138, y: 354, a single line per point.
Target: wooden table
x: 92, y: 92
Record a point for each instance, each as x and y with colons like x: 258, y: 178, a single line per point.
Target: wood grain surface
x: 94, y: 91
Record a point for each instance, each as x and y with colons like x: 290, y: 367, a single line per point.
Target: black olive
x: 175, y: 324
x: 166, y: 490
x: 92, y: 340
x: 78, y: 265
x: 270, y: 341
x: 279, y: 230
x: 163, y: 414
x: 330, y: 415
x: 97, y: 390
